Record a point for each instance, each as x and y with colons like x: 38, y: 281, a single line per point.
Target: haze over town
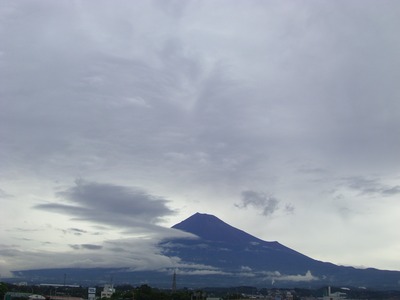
x: 118, y: 120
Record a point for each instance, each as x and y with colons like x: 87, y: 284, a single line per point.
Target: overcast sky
x: 119, y: 120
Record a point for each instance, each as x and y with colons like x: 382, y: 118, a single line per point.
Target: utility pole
x: 174, y: 282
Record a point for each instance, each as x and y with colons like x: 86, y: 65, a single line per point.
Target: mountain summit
x: 211, y: 228
x: 224, y: 246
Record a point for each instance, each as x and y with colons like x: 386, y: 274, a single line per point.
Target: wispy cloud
x: 277, y: 276
x: 266, y: 203
x: 370, y: 186
x: 4, y: 194
x: 74, y: 231
x: 109, y: 205
x: 86, y: 246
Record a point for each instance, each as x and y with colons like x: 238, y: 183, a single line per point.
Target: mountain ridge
x: 223, y: 255
x: 211, y: 228
x: 234, y: 251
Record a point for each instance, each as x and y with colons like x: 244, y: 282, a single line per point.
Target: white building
x: 334, y: 296
x: 107, y: 291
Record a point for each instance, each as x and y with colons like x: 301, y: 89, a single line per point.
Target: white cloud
x: 276, y: 276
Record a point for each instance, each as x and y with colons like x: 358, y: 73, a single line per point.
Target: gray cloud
x: 74, y: 231
x: 266, y: 203
x: 289, y: 208
x: 3, y: 194
x: 198, y: 107
x: 7, y: 251
x: 310, y: 170
x: 109, y: 204
x: 26, y: 229
x: 75, y: 247
x: 176, y: 95
x: 134, y: 253
x: 86, y: 246
x: 394, y: 190
x: 371, y: 186
x: 345, y: 212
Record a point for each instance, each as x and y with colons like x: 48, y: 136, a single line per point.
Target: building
x: 22, y: 296
x: 107, y: 291
x: 334, y: 296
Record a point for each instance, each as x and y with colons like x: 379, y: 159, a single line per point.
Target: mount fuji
x: 236, y: 257
x: 218, y: 254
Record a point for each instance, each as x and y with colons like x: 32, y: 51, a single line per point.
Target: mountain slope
x: 237, y: 254
x: 233, y: 248
x: 223, y: 255
x: 211, y: 228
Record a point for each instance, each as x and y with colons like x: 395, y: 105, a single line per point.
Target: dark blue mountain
x: 222, y: 255
x: 245, y: 259
x: 224, y: 246
x: 209, y: 227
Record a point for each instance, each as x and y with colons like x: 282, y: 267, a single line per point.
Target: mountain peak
x: 211, y: 228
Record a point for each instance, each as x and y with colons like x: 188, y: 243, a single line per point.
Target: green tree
x: 3, y: 289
